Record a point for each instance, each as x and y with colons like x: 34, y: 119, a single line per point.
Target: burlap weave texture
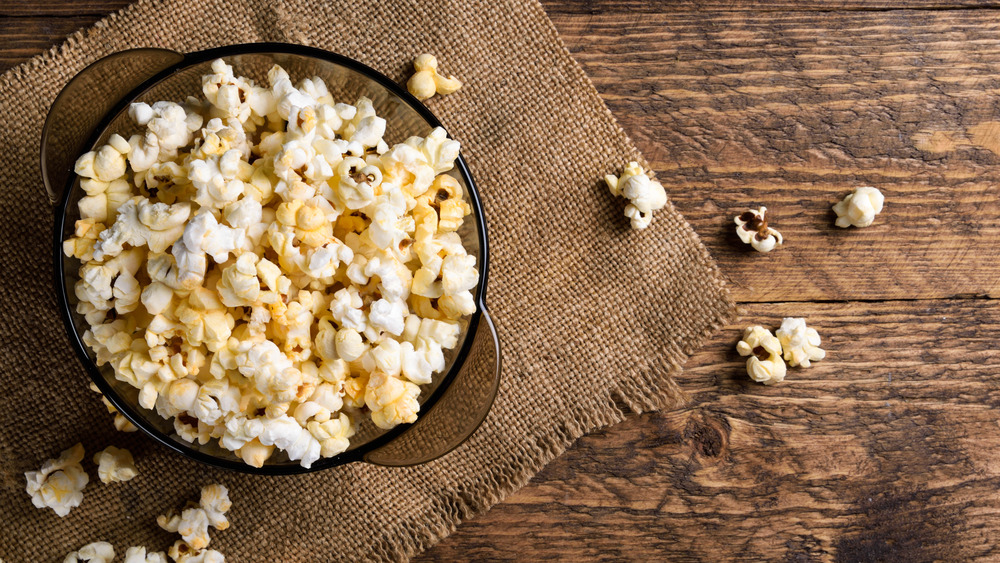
x: 591, y: 315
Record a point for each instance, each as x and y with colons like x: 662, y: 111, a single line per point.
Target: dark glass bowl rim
x: 139, y: 419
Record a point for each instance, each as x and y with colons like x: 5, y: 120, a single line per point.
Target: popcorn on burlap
x: 565, y: 273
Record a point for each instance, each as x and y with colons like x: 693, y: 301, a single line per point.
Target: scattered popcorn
x: 59, y: 483
x: 139, y: 555
x: 426, y: 81
x: 114, y: 465
x: 96, y: 552
x: 765, y: 364
x: 193, y: 522
x: 752, y: 229
x: 644, y: 194
x: 268, y: 272
x: 800, y: 343
x: 859, y: 208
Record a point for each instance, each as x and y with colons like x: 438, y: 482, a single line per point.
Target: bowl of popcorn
x: 270, y: 258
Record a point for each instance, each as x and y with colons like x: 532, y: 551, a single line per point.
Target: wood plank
x: 560, y: 7
x: 884, y: 451
x: 24, y: 37
x: 792, y: 111
x: 74, y: 8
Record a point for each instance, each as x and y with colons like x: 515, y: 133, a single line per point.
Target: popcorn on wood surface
x: 645, y: 195
x: 799, y: 342
x: 859, y: 208
x: 752, y: 228
x: 251, y: 261
x: 764, y: 364
x: 59, y: 483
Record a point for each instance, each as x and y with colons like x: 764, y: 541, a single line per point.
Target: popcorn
x: 765, y: 364
x: 114, y: 465
x: 800, y: 343
x: 59, y: 483
x: 752, y: 229
x: 859, y: 208
x: 260, y: 264
x: 96, y: 552
x: 426, y: 81
x: 182, y: 552
x: 644, y: 195
x: 193, y: 522
x: 392, y: 400
x: 139, y: 555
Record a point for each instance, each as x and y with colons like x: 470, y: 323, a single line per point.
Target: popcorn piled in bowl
x: 266, y: 270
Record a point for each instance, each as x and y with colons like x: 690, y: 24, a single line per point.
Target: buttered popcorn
x: 266, y: 270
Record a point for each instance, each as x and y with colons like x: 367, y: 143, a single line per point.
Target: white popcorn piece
x: 139, y: 555
x: 96, y: 552
x: 859, y: 208
x: 215, y: 502
x: 426, y: 81
x: 799, y: 342
x: 141, y: 222
x: 286, y: 434
x: 114, y: 465
x: 645, y: 195
x: 752, y: 229
x: 59, y: 483
x: 765, y: 364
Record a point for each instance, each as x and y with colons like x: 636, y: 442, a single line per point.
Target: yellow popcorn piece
x: 765, y: 364
x: 426, y: 81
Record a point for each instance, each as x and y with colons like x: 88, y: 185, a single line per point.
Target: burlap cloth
x: 594, y: 318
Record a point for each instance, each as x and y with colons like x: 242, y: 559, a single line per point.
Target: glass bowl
x: 94, y: 105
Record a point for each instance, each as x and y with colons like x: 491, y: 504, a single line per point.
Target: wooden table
x: 888, y: 449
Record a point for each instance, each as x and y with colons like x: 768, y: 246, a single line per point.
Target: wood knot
x: 707, y: 435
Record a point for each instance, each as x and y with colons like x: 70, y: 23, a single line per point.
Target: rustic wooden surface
x: 888, y: 449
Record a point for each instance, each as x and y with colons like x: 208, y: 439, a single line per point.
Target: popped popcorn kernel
x: 426, y: 81
x: 859, y: 208
x: 59, y: 483
x: 645, y: 195
x: 96, y: 552
x: 752, y: 228
x: 114, y: 465
x: 139, y: 555
x: 799, y: 342
x: 765, y: 364
x: 259, y: 263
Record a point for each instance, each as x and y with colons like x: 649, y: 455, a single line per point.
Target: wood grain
x: 24, y: 37
x: 884, y: 451
x: 793, y: 110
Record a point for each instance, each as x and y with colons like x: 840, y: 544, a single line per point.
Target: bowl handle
x: 84, y: 102
x: 458, y: 413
